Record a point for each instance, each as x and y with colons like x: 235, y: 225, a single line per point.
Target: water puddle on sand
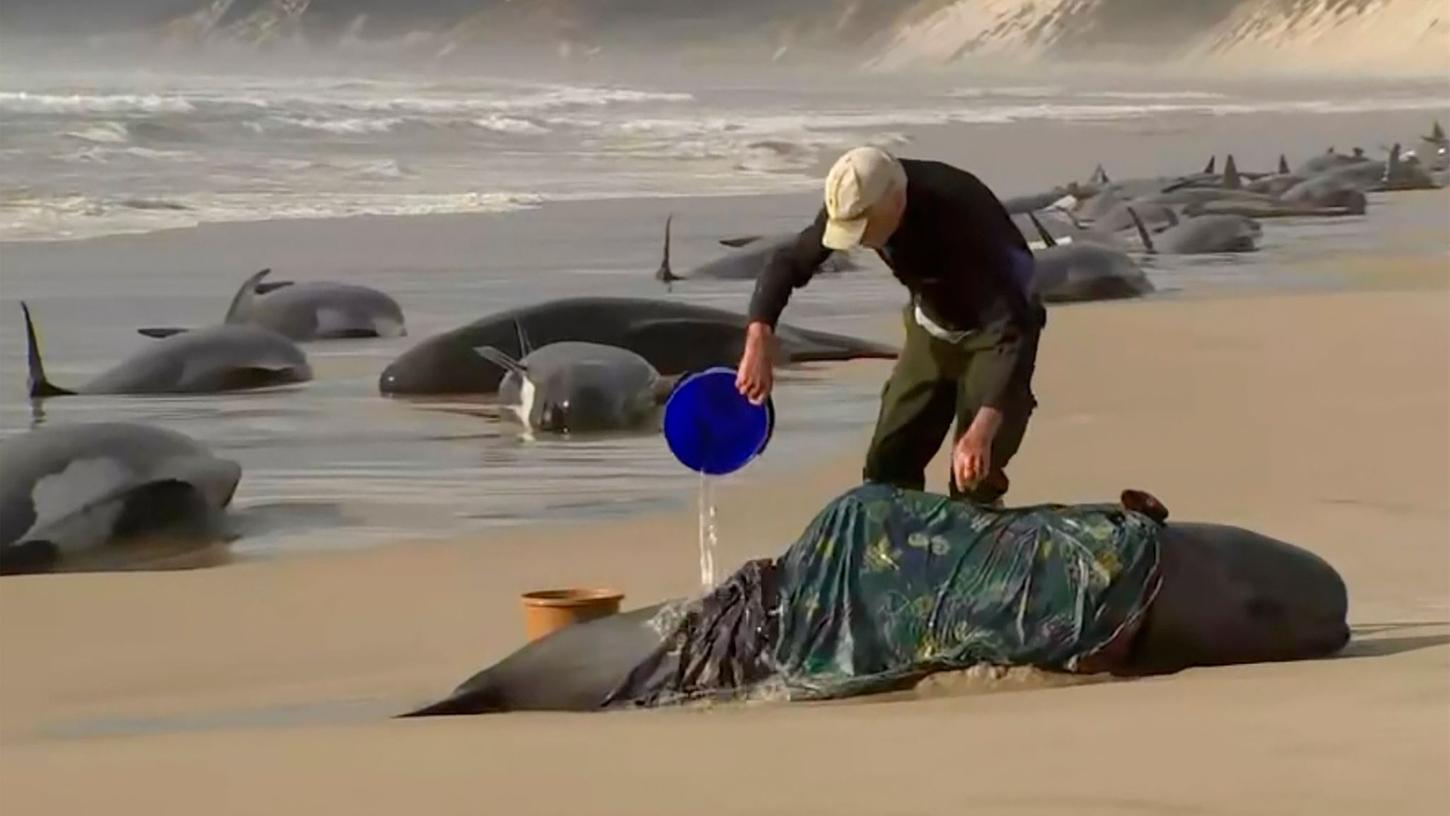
x: 709, y: 533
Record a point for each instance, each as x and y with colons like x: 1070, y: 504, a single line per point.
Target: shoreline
x: 448, y: 270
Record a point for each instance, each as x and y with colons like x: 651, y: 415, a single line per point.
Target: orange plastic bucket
x: 548, y: 610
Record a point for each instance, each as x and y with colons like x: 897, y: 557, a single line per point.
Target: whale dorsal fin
x: 1283, y: 165
x: 1208, y: 169
x: 1047, y: 238
x: 665, y: 273
x: 1437, y: 133
x: 38, y: 385
x: 1231, y: 178
x: 523, y: 337
x: 1142, y: 230
x: 1100, y: 176
x: 242, y: 301
x: 1392, y: 165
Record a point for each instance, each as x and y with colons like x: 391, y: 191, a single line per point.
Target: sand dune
x: 1354, y: 37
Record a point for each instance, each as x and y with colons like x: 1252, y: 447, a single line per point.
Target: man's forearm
x: 986, y: 423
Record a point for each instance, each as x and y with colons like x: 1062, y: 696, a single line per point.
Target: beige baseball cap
x: 856, y: 182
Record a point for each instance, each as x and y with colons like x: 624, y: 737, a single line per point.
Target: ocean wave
x: 106, y: 154
x: 340, y: 127
x: 160, y: 129
x: 972, y: 92
x: 537, y: 101
x: 776, y: 156
x: 509, y: 124
x: 589, y: 97
x: 101, y: 133
x: 68, y: 217
x: 152, y: 204
x: 374, y: 169
x: 1157, y: 94
x: 26, y: 102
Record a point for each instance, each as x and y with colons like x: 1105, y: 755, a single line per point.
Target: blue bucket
x: 711, y: 428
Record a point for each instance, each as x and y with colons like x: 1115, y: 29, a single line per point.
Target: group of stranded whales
x: 1083, y: 233
x: 88, y: 496
x: 96, y: 491
x: 255, y: 345
x: 673, y: 337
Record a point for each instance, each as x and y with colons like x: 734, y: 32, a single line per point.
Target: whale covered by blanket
x: 888, y: 585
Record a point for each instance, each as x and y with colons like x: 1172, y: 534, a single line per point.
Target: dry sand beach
x: 1319, y: 418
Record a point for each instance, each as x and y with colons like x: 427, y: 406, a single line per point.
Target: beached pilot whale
x: 220, y: 358
x: 1084, y: 270
x: 108, y: 495
x: 673, y: 337
x: 1226, y: 595
x: 310, y: 310
x: 573, y: 387
x: 749, y: 256
x: 1201, y: 234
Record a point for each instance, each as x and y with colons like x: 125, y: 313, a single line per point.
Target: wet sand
x: 1320, y: 418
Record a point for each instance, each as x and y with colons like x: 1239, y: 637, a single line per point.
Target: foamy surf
x: 260, y: 148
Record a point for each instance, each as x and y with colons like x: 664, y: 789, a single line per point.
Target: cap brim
x: 844, y: 234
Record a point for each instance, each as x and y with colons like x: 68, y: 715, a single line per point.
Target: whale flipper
x: 743, y: 240
x: 160, y: 332
x: 502, y: 360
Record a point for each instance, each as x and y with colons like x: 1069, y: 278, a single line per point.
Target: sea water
x: 709, y: 533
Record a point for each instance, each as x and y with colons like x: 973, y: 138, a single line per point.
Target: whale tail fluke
x: 456, y: 705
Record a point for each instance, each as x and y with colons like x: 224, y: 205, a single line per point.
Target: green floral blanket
x: 887, y: 585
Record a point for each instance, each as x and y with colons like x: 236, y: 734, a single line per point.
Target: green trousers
x: 936, y: 381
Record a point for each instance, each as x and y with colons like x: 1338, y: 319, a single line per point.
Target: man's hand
x: 972, y: 454
x: 756, y: 374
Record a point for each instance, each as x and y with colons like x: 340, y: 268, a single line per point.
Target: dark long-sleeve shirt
x: 956, y: 250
